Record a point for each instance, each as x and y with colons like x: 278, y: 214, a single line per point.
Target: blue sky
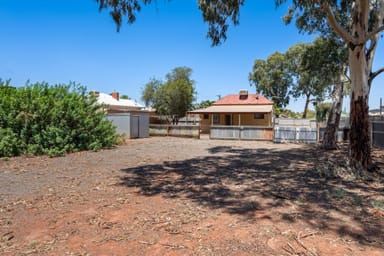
x: 69, y: 40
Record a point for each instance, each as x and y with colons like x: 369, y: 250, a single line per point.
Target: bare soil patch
x: 175, y: 196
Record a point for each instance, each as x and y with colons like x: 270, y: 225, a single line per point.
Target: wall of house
x: 245, y: 119
x: 252, y: 119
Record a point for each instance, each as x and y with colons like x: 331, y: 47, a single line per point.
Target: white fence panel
x: 295, y: 135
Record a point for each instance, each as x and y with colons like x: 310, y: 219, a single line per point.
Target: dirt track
x: 172, y: 196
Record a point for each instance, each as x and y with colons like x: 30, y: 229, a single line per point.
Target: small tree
x: 148, y: 94
x: 173, y: 97
x: 272, y: 78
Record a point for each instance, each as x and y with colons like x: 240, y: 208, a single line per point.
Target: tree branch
x: 348, y: 39
x: 372, y: 34
x: 379, y: 22
x: 375, y: 74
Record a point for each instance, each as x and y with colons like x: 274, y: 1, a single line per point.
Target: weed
x: 379, y: 205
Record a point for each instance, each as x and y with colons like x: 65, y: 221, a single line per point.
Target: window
x: 259, y: 116
x: 206, y: 116
x: 216, y: 119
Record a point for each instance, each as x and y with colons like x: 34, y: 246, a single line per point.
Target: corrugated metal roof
x: 250, y: 99
x: 234, y: 109
x: 107, y: 99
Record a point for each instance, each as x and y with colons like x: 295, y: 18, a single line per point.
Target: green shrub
x: 54, y: 120
x: 8, y: 143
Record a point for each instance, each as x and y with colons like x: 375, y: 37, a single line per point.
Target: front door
x: 227, y: 119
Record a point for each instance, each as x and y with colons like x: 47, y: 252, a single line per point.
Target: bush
x: 53, y: 120
x: 8, y: 143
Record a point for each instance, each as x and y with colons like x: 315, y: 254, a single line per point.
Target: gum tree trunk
x: 330, y: 134
x: 307, y: 100
x: 360, y: 148
x: 360, y: 64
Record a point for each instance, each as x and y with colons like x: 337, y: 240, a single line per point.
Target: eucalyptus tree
x: 327, y: 59
x: 178, y: 92
x: 149, y: 91
x: 357, y: 22
x: 307, y: 82
x: 271, y: 77
x: 318, y: 67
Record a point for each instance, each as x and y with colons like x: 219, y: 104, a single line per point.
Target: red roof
x: 250, y: 99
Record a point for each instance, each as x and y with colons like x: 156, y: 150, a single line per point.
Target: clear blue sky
x: 58, y: 41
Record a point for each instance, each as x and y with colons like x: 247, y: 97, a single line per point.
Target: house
x: 238, y: 116
x: 129, y: 117
x: 114, y: 104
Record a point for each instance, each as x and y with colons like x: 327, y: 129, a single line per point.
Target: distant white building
x: 114, y: 104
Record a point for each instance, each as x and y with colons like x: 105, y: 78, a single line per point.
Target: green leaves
x: 219, y: 14
x: 272, y: 78
x: 307, y: 70
x: 53, y: 120
x: 174, y: 97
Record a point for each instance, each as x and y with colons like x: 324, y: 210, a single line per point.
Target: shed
x: 126, y: 115
x: 133, y: 124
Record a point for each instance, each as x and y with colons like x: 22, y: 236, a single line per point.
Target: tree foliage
x: 219, y: 14
x: 306, y: 70
x: 203, y: 104
x: 125, y: 97
x: 149, y: 91
x: 173, y: 97
x: 272, y: 78
x: 315, y: 67
x: 322, y: 111
x: 42, y: 119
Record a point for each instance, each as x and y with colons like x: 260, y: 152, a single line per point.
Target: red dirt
x: 173, y: 196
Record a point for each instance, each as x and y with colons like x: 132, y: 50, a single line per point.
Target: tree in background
x: 271, y: 77
x: 203, y: 104
x: 149, y: 91
x: 293, y: 74
x: 322, y: 111
x: 306, y: 81
x: 125, y: 97
x: 174, y: 97
x: 328, y: 60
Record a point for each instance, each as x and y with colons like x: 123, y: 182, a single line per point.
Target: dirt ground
x: 176, y: 196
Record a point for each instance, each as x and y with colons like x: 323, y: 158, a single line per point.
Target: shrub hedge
x: 43, y: 119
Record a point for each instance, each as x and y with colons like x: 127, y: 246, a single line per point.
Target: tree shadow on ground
x: 245, y: 181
